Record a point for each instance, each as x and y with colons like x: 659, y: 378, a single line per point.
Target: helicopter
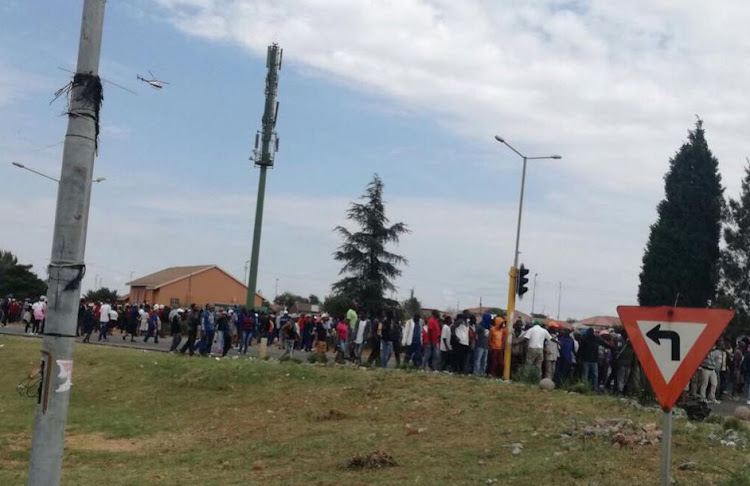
x: 153, y: 82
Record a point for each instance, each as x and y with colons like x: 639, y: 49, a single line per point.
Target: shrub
x: 733, y: 424
x: 528, y: 374
x: 578, y: 386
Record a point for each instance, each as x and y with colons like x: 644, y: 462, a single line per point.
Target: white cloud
x: 611, y: 85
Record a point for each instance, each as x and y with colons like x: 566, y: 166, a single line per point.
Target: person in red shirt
x: 432, y: 353
x: 342, y: 333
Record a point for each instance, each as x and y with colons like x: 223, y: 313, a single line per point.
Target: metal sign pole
x: 666, y: 449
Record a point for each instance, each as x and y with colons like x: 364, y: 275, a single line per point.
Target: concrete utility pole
x: 263, y: 158
x: 559, y: 299
x: 67, y: 267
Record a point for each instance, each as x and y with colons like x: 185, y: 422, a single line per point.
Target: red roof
x: 601, y: 321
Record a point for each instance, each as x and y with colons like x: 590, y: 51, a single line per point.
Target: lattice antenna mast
x: 267, y: 140
x: 264, y: 153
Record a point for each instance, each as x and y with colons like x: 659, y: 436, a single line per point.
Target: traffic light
x: 522, y: 280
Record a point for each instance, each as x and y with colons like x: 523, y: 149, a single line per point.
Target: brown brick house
x: 182, y: 286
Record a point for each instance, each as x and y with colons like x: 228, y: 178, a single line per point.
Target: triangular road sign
x: 671, y: 342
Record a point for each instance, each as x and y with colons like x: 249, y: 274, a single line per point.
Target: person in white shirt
x: 38, y: 311
x: 359, y: 338
x: 411, y: 340
x: 104, y: 311
x: 536, y: 337
x: 445, y: 343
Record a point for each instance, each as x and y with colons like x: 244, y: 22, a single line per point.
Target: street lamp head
x: 100, y: 179
x: 556, y: 157
x: 18, y: 165
x: 499, y: 139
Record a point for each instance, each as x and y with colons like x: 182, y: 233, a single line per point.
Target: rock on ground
x: 547, y: 384
x: 742, y: 413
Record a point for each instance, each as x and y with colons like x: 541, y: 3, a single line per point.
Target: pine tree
x: 369, y: 267
x: 680, y: 263
x: 734, y: 286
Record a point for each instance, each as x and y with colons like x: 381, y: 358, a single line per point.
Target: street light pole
x: 533, y: 294
x: 513, y: 270
x: 21, y: 166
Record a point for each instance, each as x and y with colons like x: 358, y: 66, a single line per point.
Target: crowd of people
x: 464, y: 343
x: 32, y: 314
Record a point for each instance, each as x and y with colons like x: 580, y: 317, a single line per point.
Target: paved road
x: 116, y: 340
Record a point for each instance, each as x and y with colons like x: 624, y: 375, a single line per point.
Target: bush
x: 733, y: 424
x: 578, y: 386
x: 317, y: 358
x: 528, y: 374
x: 740, y: 477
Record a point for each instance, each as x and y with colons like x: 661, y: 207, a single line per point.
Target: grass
x: 140, y: 418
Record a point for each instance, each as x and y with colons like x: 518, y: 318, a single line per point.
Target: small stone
x: 742, y: 413
x: 481, y: 462
x: 616, y: 445
x: 547, y: 384
x: 516, y: 451
x: 649, y: 427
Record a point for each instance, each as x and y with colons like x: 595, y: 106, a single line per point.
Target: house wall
x: 211, y: 286
x: 141, y: 294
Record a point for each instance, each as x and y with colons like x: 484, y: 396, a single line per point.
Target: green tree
x: 288, y: 299
x: 411, y: 306
x: 369, y: 268
x: 101, y: 295
x: 337, y: 305
x: 680, y: 263
x: 734, y: 285
x: 18, y: 279
x: 313, y: 299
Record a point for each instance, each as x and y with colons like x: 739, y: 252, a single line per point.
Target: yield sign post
x: 671, y: 342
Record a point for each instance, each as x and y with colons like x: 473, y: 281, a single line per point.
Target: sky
x: 413, y: 90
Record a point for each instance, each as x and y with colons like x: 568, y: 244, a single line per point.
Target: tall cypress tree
x: 734, y: 287
x: 369, y: 267
x: 682, y: 254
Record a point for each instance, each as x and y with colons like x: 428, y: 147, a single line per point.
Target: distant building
x: 182, y: 286
x: 303, y: 308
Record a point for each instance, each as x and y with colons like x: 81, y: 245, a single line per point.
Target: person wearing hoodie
x: 481, y: 349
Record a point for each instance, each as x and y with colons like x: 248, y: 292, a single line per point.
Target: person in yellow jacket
x: 497, y: 346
